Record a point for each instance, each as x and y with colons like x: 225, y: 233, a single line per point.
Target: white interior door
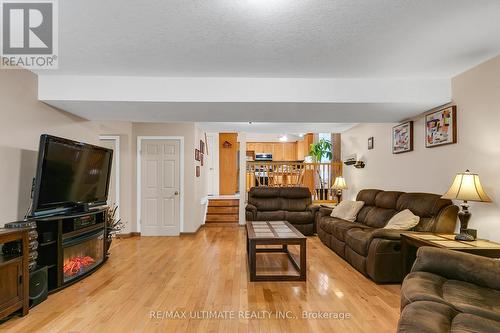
x: 160, y: 186
x: 113, y: 198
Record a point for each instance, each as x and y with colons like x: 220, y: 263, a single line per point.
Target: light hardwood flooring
x: 208, y: 272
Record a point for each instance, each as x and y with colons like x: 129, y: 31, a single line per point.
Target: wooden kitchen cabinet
x: 304, y: 146
x: 290, y: 151
x: 278, y: 152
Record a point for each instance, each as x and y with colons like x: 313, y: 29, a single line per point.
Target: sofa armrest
x: 460, y: 266
x: 446, y: 220
x: 251, y: 210
x: 325, y: 211
x: 313, y: 208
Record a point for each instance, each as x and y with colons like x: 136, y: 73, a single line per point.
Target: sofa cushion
x: 294, y: 205
x: 265, y: 204
x: 299, y: 217
x: 368, y: 196
x: 463, y: 296
x: 340, y: 227
x: 275, y: 215
x: 359, y: 240
x: 363, y: 213
x: 431, y: 317
x: 422, y: 204
x: 378, y: 217
x: 387, y: 199
x: 347, y: 210
x: 295, y: 193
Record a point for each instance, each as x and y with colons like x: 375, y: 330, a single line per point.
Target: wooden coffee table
x: 279, y: 233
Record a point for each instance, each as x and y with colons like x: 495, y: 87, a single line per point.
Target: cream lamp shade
x: 467, y: 187
x: 339, y: 184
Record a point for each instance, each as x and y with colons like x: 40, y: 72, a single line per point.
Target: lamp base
x: 464, y: 237
x: 464, y: 217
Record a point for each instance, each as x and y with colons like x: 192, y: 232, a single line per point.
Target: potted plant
x: 320, y: 149
x: 113, y: 225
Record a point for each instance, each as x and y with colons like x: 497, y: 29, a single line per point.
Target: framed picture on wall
x: 370, y: 143
x: 196, y: 154
x: 402, y: 138
x: 202, y: 147
x: 441, y: 127
x: 197, y: 171
x: 201, y: 159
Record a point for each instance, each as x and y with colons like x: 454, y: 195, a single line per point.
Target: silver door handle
x: 176, y: 193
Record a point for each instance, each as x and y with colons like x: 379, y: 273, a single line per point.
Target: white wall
x: 22, y: 120
x: 477, y: 96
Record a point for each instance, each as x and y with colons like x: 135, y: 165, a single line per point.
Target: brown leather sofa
x: 372, y: 250
x: 449, y: 291
x: 292, y: 204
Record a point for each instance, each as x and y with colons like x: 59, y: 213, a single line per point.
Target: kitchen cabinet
x: 282, y: 151
x: 304, y: 146
x: 278, y: 152
x: 290, y: 151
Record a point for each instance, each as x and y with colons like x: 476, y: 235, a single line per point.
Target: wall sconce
x: 353, y: 160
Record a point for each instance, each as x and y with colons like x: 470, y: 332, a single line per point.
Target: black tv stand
x: 83, y: 208
x: 72, y: 245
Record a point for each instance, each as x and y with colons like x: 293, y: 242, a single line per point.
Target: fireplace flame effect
x: 74, y: 265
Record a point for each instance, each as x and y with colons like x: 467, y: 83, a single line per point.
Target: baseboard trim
x: 129, y: 235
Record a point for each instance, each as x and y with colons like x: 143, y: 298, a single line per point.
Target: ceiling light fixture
x: 283, y: 138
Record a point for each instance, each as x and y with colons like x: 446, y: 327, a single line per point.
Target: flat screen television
x: 70, y: 176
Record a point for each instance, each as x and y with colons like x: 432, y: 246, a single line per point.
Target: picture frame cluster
x: 199, y: 154
x: 440, y: 129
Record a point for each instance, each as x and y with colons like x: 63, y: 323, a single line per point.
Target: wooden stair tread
x: 223, y: 203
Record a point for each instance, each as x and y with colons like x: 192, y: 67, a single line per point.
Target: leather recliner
x: 292, y: 204
x: 373, y: 250
x: 450, y: 291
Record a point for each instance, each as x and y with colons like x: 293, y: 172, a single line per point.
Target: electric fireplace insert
x: 81, y: 254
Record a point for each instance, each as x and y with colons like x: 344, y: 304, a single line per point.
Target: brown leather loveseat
x: 449, y: 291
x: 372, y: 250
x: 292, y: 204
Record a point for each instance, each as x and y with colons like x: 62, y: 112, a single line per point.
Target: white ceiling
x: 277, y: 38
x: 267, y: 61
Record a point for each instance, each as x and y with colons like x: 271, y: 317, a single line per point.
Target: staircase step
x: 223, y: 210
x: 222, y: 218
x: 223, y: 203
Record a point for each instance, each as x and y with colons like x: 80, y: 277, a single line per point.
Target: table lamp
x: 339, y: 185
x: 466, y: 187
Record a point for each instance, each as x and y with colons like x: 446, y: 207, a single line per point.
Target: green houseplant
x: 320, y: 149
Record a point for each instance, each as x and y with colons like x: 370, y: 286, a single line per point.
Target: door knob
x: 176, y: 193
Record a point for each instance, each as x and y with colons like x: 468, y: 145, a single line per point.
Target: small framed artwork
x: 196, y: 154
x: 197, y: 171
x: 370, y: 143
x: 201, y: 159
x: 402, y: 138
x: 441, y: 127
x: 202, y: 147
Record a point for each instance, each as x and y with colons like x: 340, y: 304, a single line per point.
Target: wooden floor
x: 208, y: 272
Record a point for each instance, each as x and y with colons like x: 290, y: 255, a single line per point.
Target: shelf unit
x: 14, y: 275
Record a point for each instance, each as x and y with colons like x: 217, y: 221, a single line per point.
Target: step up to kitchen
x: 223, y: 211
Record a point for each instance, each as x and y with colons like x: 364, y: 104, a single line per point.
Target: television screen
x: 70, y: 173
